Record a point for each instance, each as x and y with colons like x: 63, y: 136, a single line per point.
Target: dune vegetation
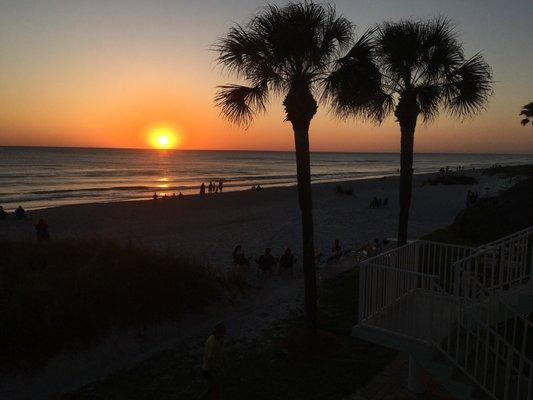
x: 59, y: 295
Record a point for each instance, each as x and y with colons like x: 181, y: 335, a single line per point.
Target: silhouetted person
x: 202, y: 188
x: 41, y: 229
x: 287, y: 261
x: 155, y: 196
x: 213, y: 361
x: 253, y: 188
x: 220, y: 185
x: 210, y: 187
x: 3, y: 214
x: 180, y: 195
x: 258, y: 188
x: 373, y: 203
x: 238, y: 256
x: 20, y: 213
x: 266, y: 262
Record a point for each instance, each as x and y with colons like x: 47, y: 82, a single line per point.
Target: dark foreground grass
x: 63, y: 295
x: 279, y: 365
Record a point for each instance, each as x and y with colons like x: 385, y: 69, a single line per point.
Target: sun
x: 163, y: 137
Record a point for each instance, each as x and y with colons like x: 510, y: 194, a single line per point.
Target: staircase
x: 462, y: 313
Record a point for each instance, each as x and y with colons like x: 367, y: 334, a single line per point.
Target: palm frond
x: 468, y: 87
x: 429, y: 98
x: 525, y: 121
x: 527, y: 110
x: 240, y: 103
x: 278, y: 49
x: 442, y: 52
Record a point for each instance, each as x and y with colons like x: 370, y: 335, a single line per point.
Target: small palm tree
x: 527, y: 112
x: 285, y: 51
x: 423, y: 69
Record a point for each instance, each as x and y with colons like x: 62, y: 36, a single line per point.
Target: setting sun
x: 163, y: 137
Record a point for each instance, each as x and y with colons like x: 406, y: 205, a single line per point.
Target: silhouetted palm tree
x: 527, y: 112
x: 285, y: 51
x: 423, y: 69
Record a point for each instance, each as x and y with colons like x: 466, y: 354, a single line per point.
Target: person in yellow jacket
x: 213, y: 360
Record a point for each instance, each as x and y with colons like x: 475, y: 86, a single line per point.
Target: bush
x: 491, y: 218
x: 495, y: 217
x: 58, y: 294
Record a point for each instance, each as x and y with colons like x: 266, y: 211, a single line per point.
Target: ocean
x: 38, y: 177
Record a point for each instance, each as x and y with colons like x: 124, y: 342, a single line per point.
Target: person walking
x: 212, y: 362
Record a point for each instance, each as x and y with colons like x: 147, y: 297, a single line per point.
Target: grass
x: 276, y: 366
x: 63, y: 295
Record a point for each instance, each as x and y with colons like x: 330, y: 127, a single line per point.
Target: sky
x: 102, y: 73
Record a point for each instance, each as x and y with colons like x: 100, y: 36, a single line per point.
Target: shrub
x: 492, y: 218
x: 63, y: 293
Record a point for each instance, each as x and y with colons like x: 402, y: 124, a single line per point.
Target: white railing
x: 457, y: 299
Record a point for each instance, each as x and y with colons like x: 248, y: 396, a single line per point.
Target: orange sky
x: 87, y: 75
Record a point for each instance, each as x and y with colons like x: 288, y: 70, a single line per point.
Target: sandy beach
x: 208, y: 227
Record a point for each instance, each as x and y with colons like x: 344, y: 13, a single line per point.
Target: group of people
x: 447, y: 169
x: 256, y: 188
x: 265, y: 262
x: 212, y: 187
x: 20, y: 213
x: 41, y: 228
x: 156, y: 196
x: 379, y: 202
x: 471, y: 198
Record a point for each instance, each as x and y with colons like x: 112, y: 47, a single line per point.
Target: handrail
x: 470, y: 291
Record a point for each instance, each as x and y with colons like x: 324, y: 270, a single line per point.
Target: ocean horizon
x: 41, y: 177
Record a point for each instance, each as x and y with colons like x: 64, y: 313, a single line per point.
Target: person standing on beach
x: 220, y: 185
x: 212, y: 362
x: 41, y: 229
x: 286, y: 262
x: 202, y: 188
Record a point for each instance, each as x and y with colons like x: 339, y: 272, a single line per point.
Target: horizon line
x: 249, y: 150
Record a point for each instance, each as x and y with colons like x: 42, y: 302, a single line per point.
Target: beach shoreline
x: 208, y: 227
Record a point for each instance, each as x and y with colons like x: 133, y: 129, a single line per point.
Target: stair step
x: 393, y: 341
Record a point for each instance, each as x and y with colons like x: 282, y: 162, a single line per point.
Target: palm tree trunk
x: 407, y: 114
x: 406, y: 183
x: 303, y: 167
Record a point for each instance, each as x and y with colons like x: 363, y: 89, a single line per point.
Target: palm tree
x: 527, y: 112
x: 285, y: 51
x: 423, y: 69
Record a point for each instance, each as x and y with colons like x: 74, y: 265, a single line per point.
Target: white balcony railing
x: 461, y: 301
